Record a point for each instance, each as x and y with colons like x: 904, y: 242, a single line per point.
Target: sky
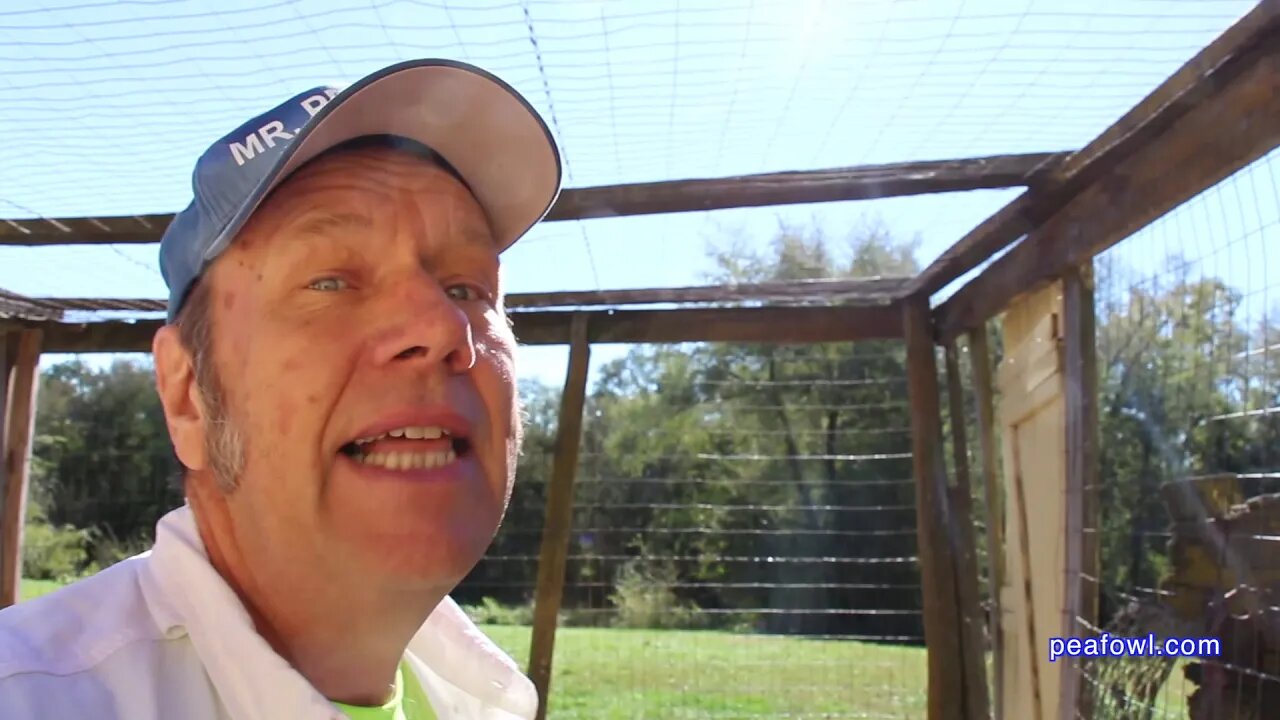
x: 106, y: 105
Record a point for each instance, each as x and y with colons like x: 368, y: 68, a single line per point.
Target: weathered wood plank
x: 811, y: 186
x: 1219, y: 124
x: 1193, y: 90
x: 8, y: 356
x: 19, y: 425
x: 845, y: 292
x: 807, y: 186
x: 980, y: 367
x: 85, y: 230
x: 977, y: 702
x: 1081, y: 508
x: 857, y: 291
x: 942, y: 627
x: 758, y: 325
x: 559, y: 518
x: 20, y: 306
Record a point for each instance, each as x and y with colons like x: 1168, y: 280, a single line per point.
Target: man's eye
x: 464, y: 293
x: 328, y: 284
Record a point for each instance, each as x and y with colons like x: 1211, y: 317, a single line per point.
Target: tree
x: 777, y: 476
x: 1169, y: 373
x: 102, y: 458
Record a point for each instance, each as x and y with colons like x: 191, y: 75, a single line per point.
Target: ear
x: 184, y: 410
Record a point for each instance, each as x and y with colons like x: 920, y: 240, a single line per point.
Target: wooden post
x: 942, y: 629
x: 8, y: 353
x: 980, y: 366
x: 22, y: 365
x: 559, y: 519
x: 1080, y: 586
x: 977, y: 704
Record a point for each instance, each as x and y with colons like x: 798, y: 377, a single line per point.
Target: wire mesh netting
x: 743, y: 539
x: 108, y: 104
x: 1188, y: 320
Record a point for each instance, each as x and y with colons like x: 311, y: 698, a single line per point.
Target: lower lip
x: 447, y: 473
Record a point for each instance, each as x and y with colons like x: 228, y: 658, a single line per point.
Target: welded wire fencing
x: 743, y: 539
x: 1188, y: 327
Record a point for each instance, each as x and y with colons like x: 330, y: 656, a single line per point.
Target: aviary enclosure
x: 886, y: 502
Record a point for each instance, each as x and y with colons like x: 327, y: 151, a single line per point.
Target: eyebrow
x: 329, y: 223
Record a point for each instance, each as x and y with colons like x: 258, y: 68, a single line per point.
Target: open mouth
x: 408, y: 448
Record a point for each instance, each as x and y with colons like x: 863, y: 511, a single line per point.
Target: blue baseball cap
x: 486, y: 132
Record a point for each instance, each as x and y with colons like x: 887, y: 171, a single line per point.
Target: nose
x: 423, y: 326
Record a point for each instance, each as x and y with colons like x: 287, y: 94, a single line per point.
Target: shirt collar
x: 186, y: 595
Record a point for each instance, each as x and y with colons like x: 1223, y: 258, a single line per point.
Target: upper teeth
x: 423, y: 432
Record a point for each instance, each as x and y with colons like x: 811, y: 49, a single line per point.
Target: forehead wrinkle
x: 329, y: 222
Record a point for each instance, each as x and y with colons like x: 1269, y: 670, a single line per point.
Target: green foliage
x: 644, y: 596
x: 52, y: 552
x: 1172, y: 365
x: 107, y: 549
x: 491, y: 612
x: 102, y: 461
x: 698, y: 454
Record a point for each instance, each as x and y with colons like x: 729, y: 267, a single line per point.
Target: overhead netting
x: 107, y: 104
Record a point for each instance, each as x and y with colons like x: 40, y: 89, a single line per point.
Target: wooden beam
x: 8, y: 357
x: 813, y: 186
x: 783, y: 325
x: 19, y: 425
x: 21, y: 306
x: 980, y: 366
x: 559, y: 519
x: 85, y: 231
x: 977, y: 702
x: 807, y: 186
x: 858, y: 291
x: 1080, y: 585
x: 1191, y: 91
x: 855, y: 291
x: 942, y: 627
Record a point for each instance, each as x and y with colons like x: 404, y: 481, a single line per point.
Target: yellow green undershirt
x: 408, y: 701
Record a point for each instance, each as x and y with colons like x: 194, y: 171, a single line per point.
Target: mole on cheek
x: 228, y: 301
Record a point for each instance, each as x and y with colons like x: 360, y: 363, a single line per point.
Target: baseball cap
x: 485, y: 131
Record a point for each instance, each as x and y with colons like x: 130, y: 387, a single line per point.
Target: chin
x: 439, y: 553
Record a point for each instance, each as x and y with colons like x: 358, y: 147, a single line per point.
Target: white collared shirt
x: 162, y: 636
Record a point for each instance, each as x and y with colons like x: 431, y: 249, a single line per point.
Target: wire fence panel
x: 1188, y: 323
x: 743, y: 539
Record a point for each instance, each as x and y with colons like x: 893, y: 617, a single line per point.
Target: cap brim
x: 485, y: 129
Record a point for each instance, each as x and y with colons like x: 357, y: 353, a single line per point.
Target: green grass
x: 31, y: 589
x: 607, y: 673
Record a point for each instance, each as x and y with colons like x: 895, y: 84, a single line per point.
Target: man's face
x: 367, y: 365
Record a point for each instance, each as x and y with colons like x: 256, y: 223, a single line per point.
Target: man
x: 337, y: 378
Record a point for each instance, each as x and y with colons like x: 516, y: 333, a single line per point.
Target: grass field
x: 35, y: 588
x: 607, y: 673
